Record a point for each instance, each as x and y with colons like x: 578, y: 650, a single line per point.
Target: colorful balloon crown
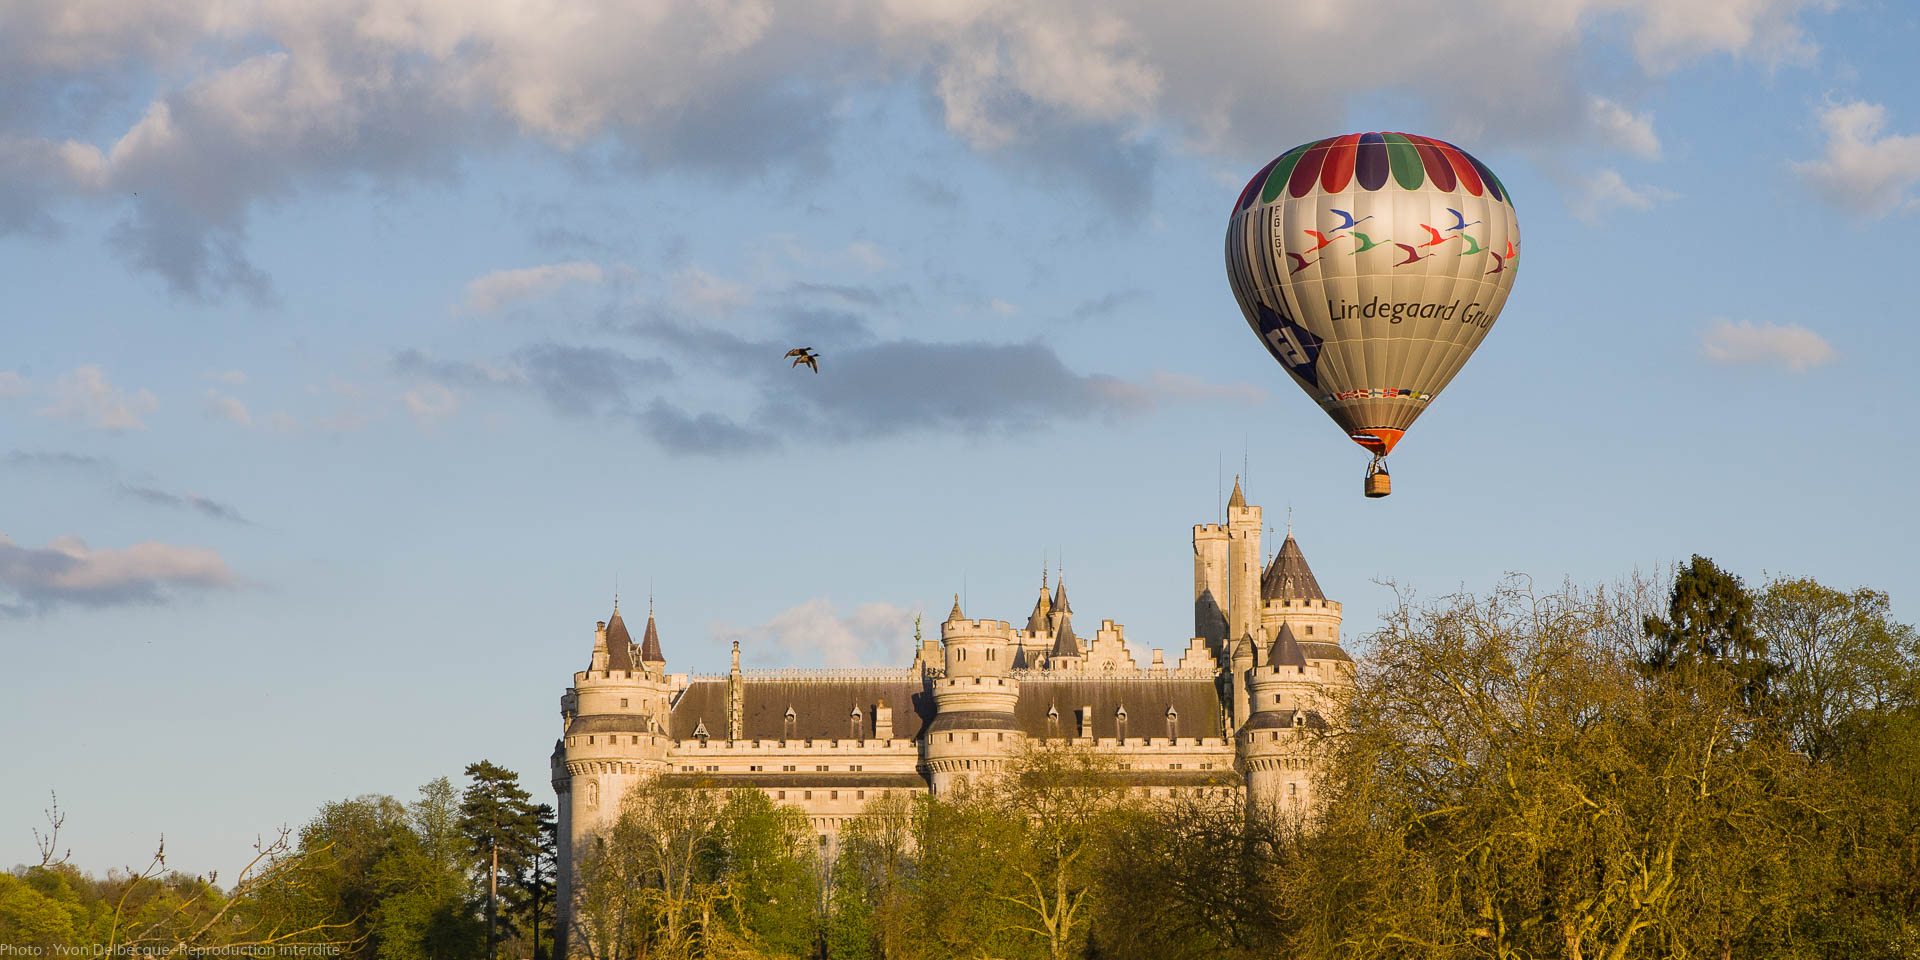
x: 1371, y: 160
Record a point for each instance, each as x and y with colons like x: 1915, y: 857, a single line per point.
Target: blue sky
x: 352, y: 350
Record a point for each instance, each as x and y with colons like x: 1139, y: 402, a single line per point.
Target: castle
x: 1228, y: 717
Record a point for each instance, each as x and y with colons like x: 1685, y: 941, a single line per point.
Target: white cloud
x: 222, y: 406
x: 501, y: 287
x: 1863, y: 170
x: 13, y: 385
x: 275, y: 97
x: 232, y: 378
x: 430, y: 403
x: 814, y: 634
x: 1595, y: 195
x: 1744, y: 342
x: 66, y: 572
x: 85, y: 396
x: 867, y: 254
x: 1622, y: 128
x: 1002, y: 307
x: 1181, y: 386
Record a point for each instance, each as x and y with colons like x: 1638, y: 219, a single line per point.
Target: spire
x: 1060, y: 604
x: 619, y: 642
x: 1286, y: 650
x: 1042, y: 608
x: 1065, y: 644
x: 650, y: 641
x: 956, y: 614
x: 1288, y: 577
x: 1238, y: 500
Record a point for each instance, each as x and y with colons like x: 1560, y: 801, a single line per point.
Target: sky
x: 354, y: 352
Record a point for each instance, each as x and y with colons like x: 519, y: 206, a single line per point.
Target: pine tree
x: 502, y: 829
x: 1709, y: 626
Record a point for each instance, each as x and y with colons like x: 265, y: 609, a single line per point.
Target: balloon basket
x: 1378, y: 483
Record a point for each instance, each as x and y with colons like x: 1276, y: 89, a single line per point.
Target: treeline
x: 1689, y: 769
x: 369, y: 878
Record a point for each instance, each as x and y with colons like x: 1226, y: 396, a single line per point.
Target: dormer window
x: 1173, y: 723
x: 790, y: 726
x: 854, y: 727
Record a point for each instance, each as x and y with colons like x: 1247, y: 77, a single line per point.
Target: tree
x: 1841, y: 658
x: 502, y: 829
x: 763, y: 856
x: 1709, y: 626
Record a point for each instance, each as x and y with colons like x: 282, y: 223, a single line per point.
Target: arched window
x: 593, y: 795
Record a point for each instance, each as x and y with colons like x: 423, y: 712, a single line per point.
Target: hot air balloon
x: 1371, y: 265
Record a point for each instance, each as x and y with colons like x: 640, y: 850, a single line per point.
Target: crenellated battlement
x: 962, y: 629
x: 1210, y: 531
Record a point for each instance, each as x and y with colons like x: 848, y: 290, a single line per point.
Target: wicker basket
x: 1379, y: 484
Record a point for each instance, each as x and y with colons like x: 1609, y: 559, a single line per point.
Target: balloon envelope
x: 1371, y: 265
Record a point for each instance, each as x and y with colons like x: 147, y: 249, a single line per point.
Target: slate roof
x: 1065, y: 644
x: 1288, y: 577
x: 619, y: 642
x: 650, y: 644
x: 1286, y: 651
x: 822, y: 709
x: 1193, y: 699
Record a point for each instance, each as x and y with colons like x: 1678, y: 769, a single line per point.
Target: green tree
x: 764, y: 856
x: 1709, y: 626
x: 502, y: 829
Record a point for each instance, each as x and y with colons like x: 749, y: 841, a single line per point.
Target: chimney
x: 882, y: 721
x: 1086, y: 722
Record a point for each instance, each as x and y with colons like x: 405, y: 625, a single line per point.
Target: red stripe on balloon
x: 1439, y: 171
x: 1308, y: 170
x: 1338, y: 171
x: 1463, y: 166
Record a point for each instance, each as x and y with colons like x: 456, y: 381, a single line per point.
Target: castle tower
x: 614, y: 735
x: 1289, y: 707
x: 1289, y: 594
x: 1210, y: 598
x: 1243, y: 565
x: 973, y: 730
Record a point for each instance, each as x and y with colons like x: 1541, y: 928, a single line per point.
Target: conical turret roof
x: 1065, y: 644
x: 1288, y: 577
x: 650, y: 643
x: 1042, y: 608
x: 1060, y: 604
x: 1238, y: 499
x: 956, y: 614
x: 1286, y: 650
x: 619, y: 642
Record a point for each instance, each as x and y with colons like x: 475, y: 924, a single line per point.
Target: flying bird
x: 1348, y: 217
x: 1473, y: 246
x: 1413, y: 256
x: 1366, y: 243
x: 1499, y: 263
x: 1317, y: 235
x: 1434, y: 237
x: 1510, y: 251
x: 1459, y: 222
x: 1300, y: 263
x: 805, y: 355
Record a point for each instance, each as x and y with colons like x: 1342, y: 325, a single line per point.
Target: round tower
x: 973, y: 731
x: 613, y: 735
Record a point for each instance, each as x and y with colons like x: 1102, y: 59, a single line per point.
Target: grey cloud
x: 105, y: 469
x: 284, y: 98
x: 1106, y: 304
x: 853, y: 295
x: 68, y: 573
x: 583, y: 381
x: 189, y: 501
x: 678, y: 431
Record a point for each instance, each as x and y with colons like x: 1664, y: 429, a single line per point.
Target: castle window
x: 833, y: 795
x: 976, y: 736
x: 855, y: 768
x: 1000, y: 736
x: 623, y: 703
x: 783, y: 795
x: 806, y: 795
x: 949, y: 738
x: 755, y: 768
x: 1173, y: 766
x: 686, y: 769
x: 711, y: 768
x: 1293, y: 789
x: 789, y: 768
x: 1206, y: 766
x: 859, y: 794
x: 821, y: 768
x: 589, y: 741
x: 1309, y: 630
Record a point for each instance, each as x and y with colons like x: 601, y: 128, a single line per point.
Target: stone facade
x: 1229, y: 716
